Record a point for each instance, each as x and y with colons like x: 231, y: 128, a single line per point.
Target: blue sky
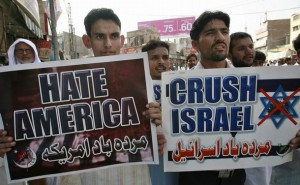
x: 243, y: 13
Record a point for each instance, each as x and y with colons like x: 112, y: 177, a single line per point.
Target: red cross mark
x: 278, y: 106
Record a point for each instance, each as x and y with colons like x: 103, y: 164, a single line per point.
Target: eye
x: 155, y: 57
x: 225, y: 32
x: 209, y: 33
x: 115, y: 35
x: 166, y: 57
x: 99, y: 36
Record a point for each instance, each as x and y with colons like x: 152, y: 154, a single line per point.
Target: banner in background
x: 170, y: 27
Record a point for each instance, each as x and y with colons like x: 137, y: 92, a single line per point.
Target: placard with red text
x: 229, y: 118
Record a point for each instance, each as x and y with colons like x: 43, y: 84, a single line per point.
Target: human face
x: 105, y: 38
x: 192, y: 62
x: 242, y: 53
x: 24, y: 53
x: 258, y: 63
x: 213, y: 42
x: 158, y: 62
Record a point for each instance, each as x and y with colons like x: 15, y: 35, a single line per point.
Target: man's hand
x: 6, y: 143
x: 161, y: 140
x: 154, y: 113
x: 295, y: 142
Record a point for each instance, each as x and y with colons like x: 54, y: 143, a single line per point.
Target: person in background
x: 296, y: 44
x: 2, y: 60
x: 288, y: 173
x: 103, y: 36
x: 241, y: 50
x: 259, y: 59
x: 22, y: 51
x: 210, y: 36
x: 294, y: 59
x: 191, y: 60
x: 158, y: 57
x: 280, y: 62
x: 288, y: 61
x: 242, y: 54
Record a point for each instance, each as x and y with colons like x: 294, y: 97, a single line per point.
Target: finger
x: 157, y: 122
x: 153, y: 104
x: 6, y: 147
x: 298, y: 133
x: 3, y: 151
x: 7, y: 144
x: 154, y: 110
x: 5, y: 139
x: 149, y: 115
x: 295, y: 143
x: 3, y: 132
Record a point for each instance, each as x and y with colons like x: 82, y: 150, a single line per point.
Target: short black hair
x: 237, y: 36
x: 152, y: 44
x: 260, y: 56
x: 296, y: 43
x: 206, y: 17
x: 190, y: 56
x: 100, y: 13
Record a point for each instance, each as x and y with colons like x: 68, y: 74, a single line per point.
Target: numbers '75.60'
x: 184, y: 27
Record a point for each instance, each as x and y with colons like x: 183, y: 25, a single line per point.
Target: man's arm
x: 153, y: 113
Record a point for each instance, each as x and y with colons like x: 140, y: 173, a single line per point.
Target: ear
x: 195, y: 44
x: 229, y: 56
x: 122, y: 40
x: 298, y: 53
x: 86, y: 41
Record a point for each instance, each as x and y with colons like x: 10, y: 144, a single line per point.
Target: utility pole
x: 72, y: 51
x: 53, y: 30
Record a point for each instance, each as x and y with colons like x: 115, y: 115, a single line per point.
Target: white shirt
x: 200, y: 66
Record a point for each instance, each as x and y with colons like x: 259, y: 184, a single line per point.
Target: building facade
x: 140, y: 37
x: 295, y: 27
x: 72, y: 48
x: 272, y: 35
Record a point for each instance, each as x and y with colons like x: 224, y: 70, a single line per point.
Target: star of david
x: 278, y: 117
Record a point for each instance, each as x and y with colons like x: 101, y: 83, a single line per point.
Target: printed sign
x: 72, y: 116
x: 170, y: 27
x: 229, y: 118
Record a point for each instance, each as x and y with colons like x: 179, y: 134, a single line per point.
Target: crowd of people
x: 217, y: 48
x: 259, y: 60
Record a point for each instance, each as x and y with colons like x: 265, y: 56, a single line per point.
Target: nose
x: 107, y: 43
x: 161, y: 60
x: 220, y: 36
x: 249, y: 50
x: 26, y: 52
